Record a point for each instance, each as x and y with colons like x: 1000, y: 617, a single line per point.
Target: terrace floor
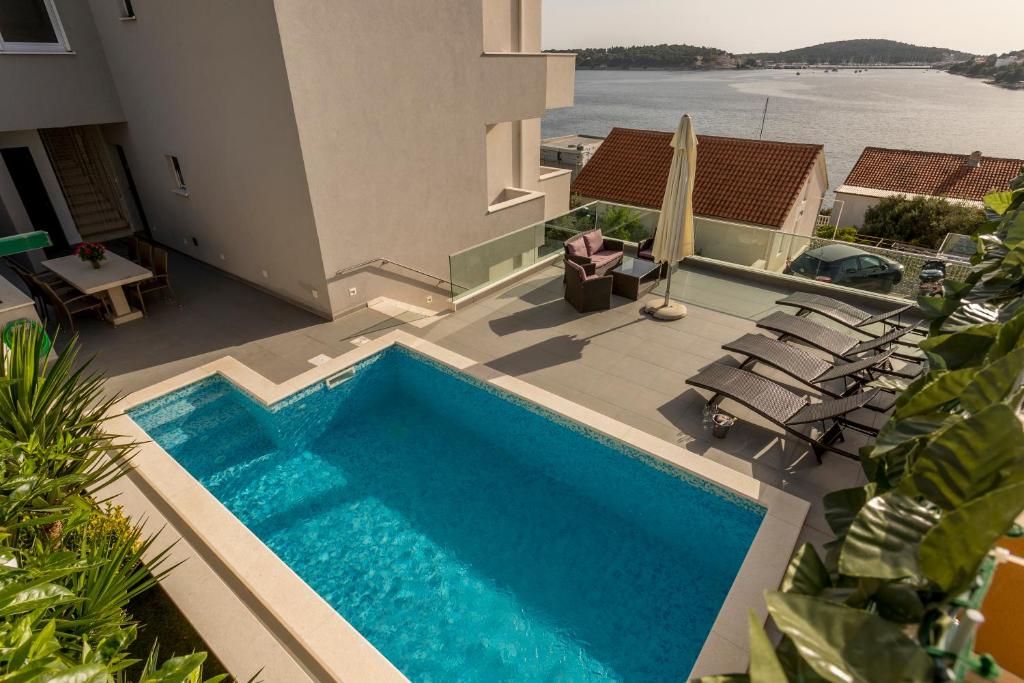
x: 617, y: 362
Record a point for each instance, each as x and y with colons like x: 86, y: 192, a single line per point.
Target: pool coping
x: 333, y: 646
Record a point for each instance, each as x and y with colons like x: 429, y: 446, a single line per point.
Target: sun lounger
x: 840, y: 311
x: 814, y: 371
x: 785, y: 408
x: 831, y: 340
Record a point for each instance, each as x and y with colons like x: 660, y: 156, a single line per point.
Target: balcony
x: 523, y: 85
x: 561, y: 80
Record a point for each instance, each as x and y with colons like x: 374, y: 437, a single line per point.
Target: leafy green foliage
x: 623, y: 223
x: 922, y: 221
x: 863, y: 51
x: 830, y: 232
x: 652, y: 57
x: 946, y: 482
x: 68, y: 568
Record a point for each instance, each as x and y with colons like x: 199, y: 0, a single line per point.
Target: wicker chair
x: 161, y: 279
x: 592, y: 248
x: 585, y: 290
x: 69, y: 305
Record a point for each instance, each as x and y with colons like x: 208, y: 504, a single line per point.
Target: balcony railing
x: 741, y: 245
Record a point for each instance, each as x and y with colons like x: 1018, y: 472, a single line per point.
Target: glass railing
x: 485, y: 264
x: 897, y: 273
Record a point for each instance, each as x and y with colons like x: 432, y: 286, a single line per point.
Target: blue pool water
x: 465, y: 534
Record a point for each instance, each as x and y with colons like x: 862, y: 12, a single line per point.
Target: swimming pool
x: 464, y: 532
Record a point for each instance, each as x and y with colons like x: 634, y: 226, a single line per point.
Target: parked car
x: 844, y: 264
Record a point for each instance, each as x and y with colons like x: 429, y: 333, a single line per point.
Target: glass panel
x: 636, y: 267
x: 26, y: 21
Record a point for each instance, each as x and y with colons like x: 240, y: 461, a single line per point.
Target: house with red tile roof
x: 881, y: 172
x: 777, y: 185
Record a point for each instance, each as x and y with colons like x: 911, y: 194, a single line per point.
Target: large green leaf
x: 806, y: 573
x: 84, y: 673
x: 1010, y: 337
x: 42, y: 596
x: 841, y: 507
x: 999, y: 202
x: 983, y: 452
x: 177, y: 669
x: 994, y: 383
x: 846, y: 645
x: 943, y: 387
x: 882, y: 542
x: 897, y: 433
x: 961, y: 348
x: 951, y: 553
x: 764, y: 664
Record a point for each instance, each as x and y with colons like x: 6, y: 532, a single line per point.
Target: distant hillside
x: 1003, y: 70
x: 863, y: 52
x: 654, y: 57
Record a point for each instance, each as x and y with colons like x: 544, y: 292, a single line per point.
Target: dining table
x: 107, y: 281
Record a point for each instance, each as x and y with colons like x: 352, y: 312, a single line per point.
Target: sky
x: 737, y: 26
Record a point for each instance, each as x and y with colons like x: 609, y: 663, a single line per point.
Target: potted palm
x: 92, y: 252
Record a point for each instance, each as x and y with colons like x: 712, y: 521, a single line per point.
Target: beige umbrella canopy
x: 674, y: 238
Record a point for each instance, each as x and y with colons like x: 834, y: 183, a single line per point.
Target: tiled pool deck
x: 618, y: 363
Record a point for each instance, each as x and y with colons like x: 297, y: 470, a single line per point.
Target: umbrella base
x: 661, y: 311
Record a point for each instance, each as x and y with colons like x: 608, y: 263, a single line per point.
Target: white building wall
x: 854, y: 208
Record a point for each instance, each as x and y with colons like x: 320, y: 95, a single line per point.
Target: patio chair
x: 141, y: 252
x: 68, y: 306
x: 815, y: 372
x: 787, y: 409
x: 593, y: 248
x: 831, y: 340
x: 645, y: 252
x: 840, y: 311
x: 585, y: 290
x: 161, y: 279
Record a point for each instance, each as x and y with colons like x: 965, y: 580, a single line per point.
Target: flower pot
x: 721, y: 422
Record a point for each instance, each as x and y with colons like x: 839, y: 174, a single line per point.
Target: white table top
x: 114, y: 272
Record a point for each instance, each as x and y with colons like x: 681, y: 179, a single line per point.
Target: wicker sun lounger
x: 785, y: 408
x: 813, y: 371
x: 840, y: 311
x: 831, y: 340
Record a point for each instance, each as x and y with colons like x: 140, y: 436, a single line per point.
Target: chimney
x: 974, y: 161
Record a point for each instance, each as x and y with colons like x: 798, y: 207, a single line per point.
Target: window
x: 31, y: 26
x: 871, y: 263
x: 176, y: 176
x: 127, y: 10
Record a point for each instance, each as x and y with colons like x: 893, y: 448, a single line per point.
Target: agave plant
x: 913, y: 547
x: 68, y: 570
x: 52, y: 437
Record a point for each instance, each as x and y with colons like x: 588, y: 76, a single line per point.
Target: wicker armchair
x: 585, y: 290
x: 645, y: 252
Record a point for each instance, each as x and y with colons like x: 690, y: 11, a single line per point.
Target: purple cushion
x: 578, y: 268
x: 594, y: 241
x: 646, y: 254
x: 577, y: 248
x: 604, y: 256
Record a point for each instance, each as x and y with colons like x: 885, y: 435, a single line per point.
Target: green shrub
x: 829, y: 232
x: 68, y: 568
x: 623, y: 223
x: 921, y: 221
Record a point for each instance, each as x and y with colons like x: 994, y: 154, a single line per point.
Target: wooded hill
x: 863, y: 52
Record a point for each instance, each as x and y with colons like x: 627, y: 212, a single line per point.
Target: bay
x: 846, y: 111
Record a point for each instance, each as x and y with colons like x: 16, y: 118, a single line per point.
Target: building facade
x: 291, y: 143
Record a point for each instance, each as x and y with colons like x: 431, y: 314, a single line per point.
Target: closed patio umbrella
x: 674, y: 239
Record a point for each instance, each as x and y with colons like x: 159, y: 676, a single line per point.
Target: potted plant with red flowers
x: 93, y: 252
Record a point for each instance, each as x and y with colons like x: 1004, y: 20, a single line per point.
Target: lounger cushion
x: 594, y: 241
x: 646, y: 254
x: 577, y: 247
x: 604, y: 257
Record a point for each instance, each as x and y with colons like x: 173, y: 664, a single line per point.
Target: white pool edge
x: 333, y: 644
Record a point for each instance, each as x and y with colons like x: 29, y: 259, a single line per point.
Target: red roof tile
x: 752, y: 181
x: 931, y: 173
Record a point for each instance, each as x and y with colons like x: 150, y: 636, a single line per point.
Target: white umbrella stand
x: 674, y: 239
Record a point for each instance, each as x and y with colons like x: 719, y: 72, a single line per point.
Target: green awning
x: 17, y: 244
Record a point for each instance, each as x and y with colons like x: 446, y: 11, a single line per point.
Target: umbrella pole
x: 668, y: 284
